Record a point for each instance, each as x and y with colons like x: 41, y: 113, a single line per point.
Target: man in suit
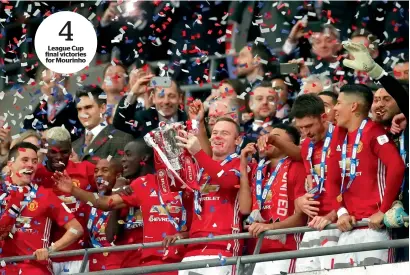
x: 100, y: 139
x: 140, y: 122
x: 56, y: 108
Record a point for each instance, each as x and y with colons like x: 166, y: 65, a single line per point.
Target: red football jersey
x: 82, y: 175
x: 332, y: 182
x: 220, y: 208
x: 101, y: 261
x: 33, y: 232
x: 292, y: 185
x: 133, y: 233
x: 379, y: 172
x: 155, y: 218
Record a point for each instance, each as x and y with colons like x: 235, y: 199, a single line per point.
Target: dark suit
x: 102, y: 145
x: 123, y: 115
x: 67, y: 117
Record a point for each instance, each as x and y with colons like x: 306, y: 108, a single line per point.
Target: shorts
x: 64, y: 268
x: 218, y: 270
x: 365, y: 258
x: 275, y: 267
x: 316, y: 239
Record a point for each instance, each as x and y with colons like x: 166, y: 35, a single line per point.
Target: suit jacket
x: 103, y: 146
x: 147, y: 119
x: 67, y: 117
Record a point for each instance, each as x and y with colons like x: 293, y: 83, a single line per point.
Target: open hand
x: 189, y: 142
x: 63, y: 182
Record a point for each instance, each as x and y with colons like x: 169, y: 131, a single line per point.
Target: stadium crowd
x: 267, y: 151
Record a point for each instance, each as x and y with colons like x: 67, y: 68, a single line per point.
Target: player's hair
x: 126, y: 76
x: 98, y: 94
x: 290, y: 130
x: 25, y: 135
x: 59, y: 134
x: 366, y: 33
x: 228, y: 119
x: 362, y: 91
x: 13, y: 154
x: 307, y: 105
x: 116, y: 164
x: 331, y: 95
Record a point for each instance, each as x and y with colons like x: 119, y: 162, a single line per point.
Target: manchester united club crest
x: 33, y: 205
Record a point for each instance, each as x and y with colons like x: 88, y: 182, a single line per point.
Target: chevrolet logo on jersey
x: 317, y: 168
x: 210, y: 188
x: 170, y: 208
x: 22, y: 221
x: 348, y: 164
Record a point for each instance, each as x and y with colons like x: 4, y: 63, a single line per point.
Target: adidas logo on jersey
x: 338, y: 148
x: 153, y: 194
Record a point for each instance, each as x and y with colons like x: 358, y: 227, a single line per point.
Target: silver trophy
x: 163, y: 140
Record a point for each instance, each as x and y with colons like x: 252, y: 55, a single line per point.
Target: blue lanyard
x: 94, y: 229
x: 403, y: 155
x: 320, y: 179
x: 261, y: 197
x: 178, y: 226
x: 229, y: 158
x: 353, y: 160
x: 130, y: 216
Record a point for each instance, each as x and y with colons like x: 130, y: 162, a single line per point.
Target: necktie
x: 53, y: 113
x: 88, y: 138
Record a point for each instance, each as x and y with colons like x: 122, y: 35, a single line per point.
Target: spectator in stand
x: 105, y: 174
x: 166, y: 101
x: 216, y: 187
x: 263, y: 104
x: 100, y: 140
x: 280, y: 86
x: 25, y: 223
x: 231, y: 108
x: 284, y: 181
x: 330, y: 100
x: 56, y: 107
x: 58, y: 142
x: 229, y: 88
x: 371, y: 191
x: 401, y: 70
x: 165, y: 214
x: 114, y: 86
x: 252, y: 64
x: 320, y: 158
x: 316, y: 84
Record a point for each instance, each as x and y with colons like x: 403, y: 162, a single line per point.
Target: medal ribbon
x: 94, y: 229
x: 261, y: 196
x: 177, y: 226
x: 353, y: 160
x: 129, y: 222
x: 320, y: 179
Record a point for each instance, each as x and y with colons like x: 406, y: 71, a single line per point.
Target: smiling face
x: 166, y: 100
x: 90, y: 113
x: 311, y: 127
x: 131, y: 160
x: 263, y: 102
x: 343, y: 110
x: 105, y: 175
x: 384, y: 107
x: 224, y: 139
x: 24, y: 166
x: 325, y: 45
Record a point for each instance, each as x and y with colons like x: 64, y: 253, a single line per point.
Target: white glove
x: 362, y: 60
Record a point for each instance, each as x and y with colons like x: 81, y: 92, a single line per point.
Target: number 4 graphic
x: 69, y: 34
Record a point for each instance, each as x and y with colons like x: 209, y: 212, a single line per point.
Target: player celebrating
x: 30, y: 211
x: 105, y: 174
x: 372, y: 172
x: 216, y: 205
x: 275, y: 183
x: 163, y: 214
x: 57, y: 159
x: 320, y: 157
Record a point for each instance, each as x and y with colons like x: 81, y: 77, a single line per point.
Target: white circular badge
x: 65, y: 42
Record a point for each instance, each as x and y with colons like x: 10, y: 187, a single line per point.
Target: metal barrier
x: 293, y: 254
